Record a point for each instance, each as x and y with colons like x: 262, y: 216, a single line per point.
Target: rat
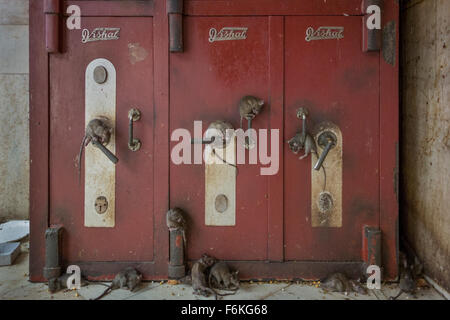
x: 97, y: 131
x: 338, y: 282
x: 129, y: 278
x: 219, y: 135
x: 198, y: 275
x: 302, y: 141
x: 407, y: 282
x: 60, y: 283
x: 305, y: 141
x: 223, y: 278
x: 249, y: 107
x: 175, y: 221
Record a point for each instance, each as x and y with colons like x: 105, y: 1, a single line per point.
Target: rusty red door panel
x: 206, y: 82
x: 132, y: 55
x: 339, y: 83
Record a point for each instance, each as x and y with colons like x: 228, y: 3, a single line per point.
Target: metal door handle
x: 327, y: 140
x: 105, y: 151
x: 134, y: 144
x: 202, y: 141
x: 302, y: 113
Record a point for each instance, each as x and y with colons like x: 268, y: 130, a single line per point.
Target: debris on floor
x: 9, y: 252
x: 14, y: 285
x: 14, y: 230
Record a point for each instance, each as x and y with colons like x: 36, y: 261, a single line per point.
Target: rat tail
x: 80, y: 154
x: 107, y: 290
x: 398, y: 295
x: 324, y: 178
x: 226, y: 162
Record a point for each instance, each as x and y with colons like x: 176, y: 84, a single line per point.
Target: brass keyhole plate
x: 325, y: 202
x: 101, y: 205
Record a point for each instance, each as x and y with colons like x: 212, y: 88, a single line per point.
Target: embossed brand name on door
x: 324, y: 33
x: 100, y: 34
x: 228, y: 33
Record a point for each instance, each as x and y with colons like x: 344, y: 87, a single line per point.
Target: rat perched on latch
x: 99, y: 133
x: 303, y: 140
x: 220, y: 136
x: 249, y: 108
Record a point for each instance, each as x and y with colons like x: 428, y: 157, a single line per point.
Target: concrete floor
x: 14, y: 285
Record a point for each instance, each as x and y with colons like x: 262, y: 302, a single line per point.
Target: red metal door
x: 132, y: 56
x: 337, y: 83
x: 206, y: 82
x: 333, y: 79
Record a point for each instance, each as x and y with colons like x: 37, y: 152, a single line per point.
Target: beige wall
x: 14, y: 133
x: 426, y: 134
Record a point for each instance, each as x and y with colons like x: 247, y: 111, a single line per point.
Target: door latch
x: 134, y: 144
x: 99, y: 133
x: 326, y: 140
x: 302, y: 140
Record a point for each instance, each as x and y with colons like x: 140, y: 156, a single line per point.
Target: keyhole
x: 325, y: 202
x: 101, y: 205
x: 221, y: 203
x: 100, y: 75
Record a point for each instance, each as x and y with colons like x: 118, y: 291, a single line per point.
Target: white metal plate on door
x: 220, y: 186
x: 333, y: 190
x: 100, y: 172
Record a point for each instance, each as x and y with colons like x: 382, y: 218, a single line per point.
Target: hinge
x: 371, y: 33
x: 372, y: 246
x: 52, y: 13
x: 174, y: 9
x: 53, y: 250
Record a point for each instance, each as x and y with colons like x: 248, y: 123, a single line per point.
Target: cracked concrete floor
x: 14, y: 285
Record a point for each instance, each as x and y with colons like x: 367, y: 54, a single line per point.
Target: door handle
x: 105, y: 151
x: 302, y: 140
x: 98, y: 131
x: 134, y: 144
x: 327, y: 140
